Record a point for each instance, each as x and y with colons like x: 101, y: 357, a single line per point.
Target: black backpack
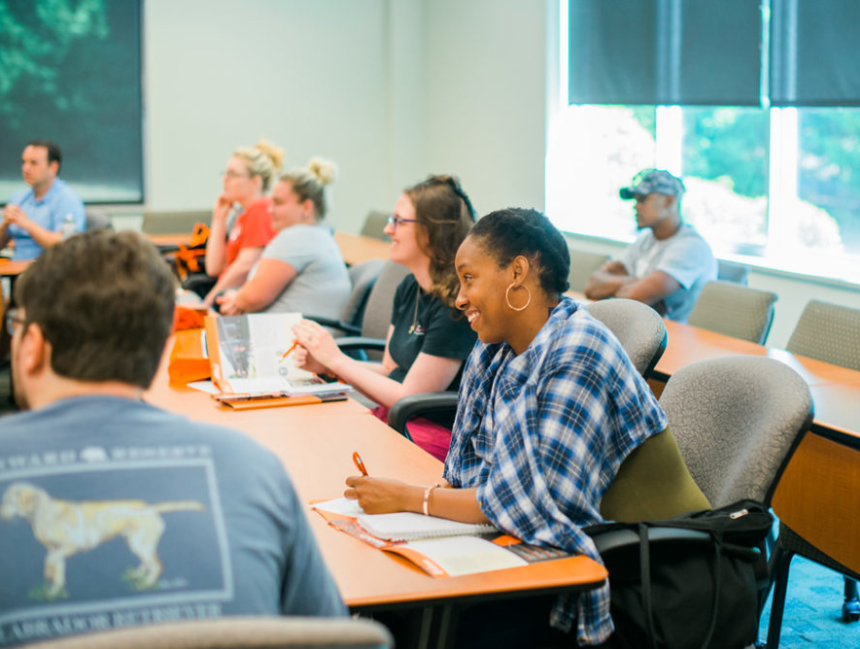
x: 689, y: 582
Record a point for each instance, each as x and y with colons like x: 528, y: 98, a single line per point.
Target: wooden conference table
x: 316, y: 443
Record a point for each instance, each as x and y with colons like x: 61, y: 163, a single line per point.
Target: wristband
x: 426, y: 503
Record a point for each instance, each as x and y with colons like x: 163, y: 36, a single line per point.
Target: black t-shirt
x: 423, y: 323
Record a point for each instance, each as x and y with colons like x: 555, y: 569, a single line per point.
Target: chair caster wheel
x: 851, y: 611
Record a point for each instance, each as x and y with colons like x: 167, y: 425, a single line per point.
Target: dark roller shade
x: 684, y: 52
x: 815, y: 53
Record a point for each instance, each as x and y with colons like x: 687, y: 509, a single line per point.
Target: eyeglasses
x: 397, y: 221
x: 13, y: 320
x: 233, y: 174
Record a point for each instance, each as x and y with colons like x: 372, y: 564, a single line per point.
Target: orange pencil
x: 358, y: 462
x: 287, y: 353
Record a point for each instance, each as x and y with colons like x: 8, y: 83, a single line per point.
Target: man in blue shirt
x: 41, y: 216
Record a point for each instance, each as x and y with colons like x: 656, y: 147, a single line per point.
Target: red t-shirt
x: 253, y: 229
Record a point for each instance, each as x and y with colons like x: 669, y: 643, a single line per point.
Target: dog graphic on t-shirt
x: 66, y: 528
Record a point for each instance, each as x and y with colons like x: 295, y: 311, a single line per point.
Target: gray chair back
x: 238, y: 632
x: 638, y: 327
x: 97, y: 218
x: 582, y: 265
x: 828, y: 332
x: 729, y: 271
x: 737, y: 419
x: 374, y: 224
x: 362, y: 277
x: 734, y: 310
x: 377, y: 310
x: 174, y: 222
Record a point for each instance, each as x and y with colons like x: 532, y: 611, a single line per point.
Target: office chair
x: 241, y: 632
x: 362, y: 277
x: 828, y: 332
x: 374, y: 225
x: 638, y: 327
x: 582, y: 265
x: 97, y: 218
x: 737, y: 421
x: 369, y: 338
x: 729, y: 271
x: 174, y: 222
x: 734, y: 310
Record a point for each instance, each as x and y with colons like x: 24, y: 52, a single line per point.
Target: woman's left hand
x: 318, y: 342
x: 378, y: 495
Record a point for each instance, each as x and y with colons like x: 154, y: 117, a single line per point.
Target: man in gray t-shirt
x: 669, y: 263
x: 116, y: 513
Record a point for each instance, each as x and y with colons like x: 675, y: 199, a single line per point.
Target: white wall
x: 391, y: 90
x: 485, y: 78
x: 312, y: 77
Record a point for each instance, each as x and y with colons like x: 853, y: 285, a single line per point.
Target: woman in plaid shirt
x: 549, y: 407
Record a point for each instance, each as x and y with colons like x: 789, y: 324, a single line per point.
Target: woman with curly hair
x: 428, y: 339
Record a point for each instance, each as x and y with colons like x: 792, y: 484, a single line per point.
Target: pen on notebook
x: 287, y: 353
x: 357, y: 459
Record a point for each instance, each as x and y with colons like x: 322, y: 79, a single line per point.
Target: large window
x: 70, y: 71
x: 775, y: 186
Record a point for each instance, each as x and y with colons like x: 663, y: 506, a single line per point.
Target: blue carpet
x: 813, y: 610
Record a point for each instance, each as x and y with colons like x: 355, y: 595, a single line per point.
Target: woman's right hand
x: 303, y: 359
x: 222, y: 208
x: 318, y: 342
x: 378, y: 495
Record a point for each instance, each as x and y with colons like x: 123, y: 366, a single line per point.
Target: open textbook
x: 247, y: 358
x: 440, y: 547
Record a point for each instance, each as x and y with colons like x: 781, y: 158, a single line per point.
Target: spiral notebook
x: 407, y: 526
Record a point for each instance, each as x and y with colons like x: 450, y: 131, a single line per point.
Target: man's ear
x: 54, y: 166
x: 34, y: 350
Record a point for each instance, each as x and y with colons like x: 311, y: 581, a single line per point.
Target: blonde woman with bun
x: 301, y: 269
x: 231, y: 255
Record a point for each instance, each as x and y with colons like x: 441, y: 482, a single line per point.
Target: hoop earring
x: 508, y: 299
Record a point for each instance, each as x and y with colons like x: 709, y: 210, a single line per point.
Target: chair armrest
x: 610, y: 540
x: 349, y: 329
x: 360, y: 342
x: 420, y: 404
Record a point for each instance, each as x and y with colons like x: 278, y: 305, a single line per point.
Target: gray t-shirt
x: 685, y: 256
x: 322, y: 284
x: 115, y: 513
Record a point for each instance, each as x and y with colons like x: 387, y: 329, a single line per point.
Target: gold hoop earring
x: 508, y: 299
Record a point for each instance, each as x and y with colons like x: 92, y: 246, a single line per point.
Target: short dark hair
x: 54, y: 153
x: 445, y: 213
x: 104, y: 300
x: 514, y: 231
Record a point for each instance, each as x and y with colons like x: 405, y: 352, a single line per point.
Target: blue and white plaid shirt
x: 541, y: 435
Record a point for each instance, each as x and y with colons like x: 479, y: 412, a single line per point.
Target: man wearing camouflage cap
x: 669, y: 263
